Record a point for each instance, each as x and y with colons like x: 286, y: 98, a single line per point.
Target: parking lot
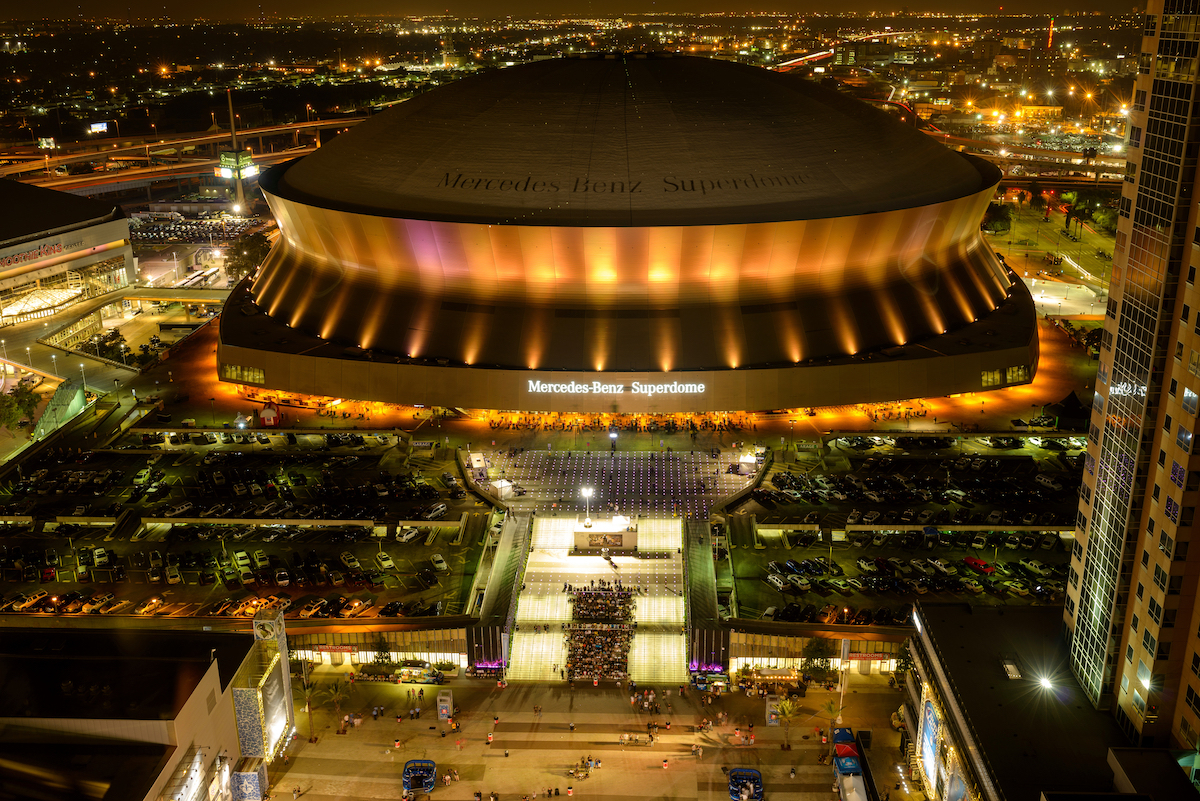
x: 881, y: 519
x: 344, y: 496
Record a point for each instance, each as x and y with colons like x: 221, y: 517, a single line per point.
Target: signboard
x: 46, y: 143
x: 336, y: 649
x: 930, y: 727
x: 98, y: 127
x: 422, y: 445
x: 600, y: 388
x: 233, y: 165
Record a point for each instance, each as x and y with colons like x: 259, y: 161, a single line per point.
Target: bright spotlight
x: 1045, y: 682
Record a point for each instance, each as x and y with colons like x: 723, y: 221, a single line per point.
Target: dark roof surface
x: 629, y: 140
x: 1034, y: 739
x: 30, y: 211
x: 109, y: 673
x: 65, y: 765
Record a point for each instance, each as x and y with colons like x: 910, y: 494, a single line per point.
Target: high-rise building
x: 1131, y: 597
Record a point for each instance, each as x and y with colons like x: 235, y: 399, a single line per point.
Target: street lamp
x: 54, y: 362
x: 212, y: 405
x: 83, y: 375
x: 612, y: 436
x: 5, y: 347
x: 28, y: 358
x: 586, y: 492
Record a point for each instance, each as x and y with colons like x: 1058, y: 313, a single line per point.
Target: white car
x: 149, y: 606
x: 1016, y: 587
x: 800, y: 583
x: 971, y: 585
x: 350, y: 561
x: 384, y: 561
x: 979, y: 542
x: 179, y: 509
x: 31, y: 600
x: 407, y: 535
x: 870, y: 517
x: 261, y: 562
x: 173, y: 576
x: 943, y: 567
x: 438, y: 562
x: 142, y: 476
x: 95, y: 602
x: 921, y: 565
x: 112, y: 607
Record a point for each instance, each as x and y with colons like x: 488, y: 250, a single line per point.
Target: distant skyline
x: 240, y: 10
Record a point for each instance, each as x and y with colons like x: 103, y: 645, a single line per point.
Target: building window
x: 1186, y: 732
x: 1162, y: 458
x: 1089, y: 461
x: 1139, y: 100
x: 1183, y: 438
x: 1154, y: 610
x: 1174, y: 384
x: 1094, y: 434
x: 1160, y: 577
x: 1193, y: 361
x: 1191, y: 401
x: 1129, y: 654
x: 1145, y: 558
x: 1166, y: 543
x: 1193, y: 700
x: 1172, y: 510
x: 1167, y: 423
x: 243, y: 375
x: 1018, y: 374
x: 1070, y: 606
x: 1191, y: 279
x: 1141, y: 589
x: 1187, y: 312
x: 1177, y: 474
x: 1149, y: 643
x: 1163, y: 653
x: 1154, y: 493
x: 1077, y: 550
x: 1073, y: 577
x: 992, y: 378
x: 1169, y: 618
x: 1196, y: 663
x: 1138, y: 702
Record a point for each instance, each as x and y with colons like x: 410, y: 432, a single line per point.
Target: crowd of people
x: 601, y: 600
x: 598, y: 650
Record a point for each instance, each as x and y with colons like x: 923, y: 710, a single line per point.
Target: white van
x: 770, y: 613
x: 435, y: 511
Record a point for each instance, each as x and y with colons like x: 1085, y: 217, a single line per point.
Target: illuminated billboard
x: 98, y: 127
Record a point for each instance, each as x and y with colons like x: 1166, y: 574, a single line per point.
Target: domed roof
x: 628, y: 140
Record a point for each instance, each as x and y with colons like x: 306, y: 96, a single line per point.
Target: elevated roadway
x: 106, y: 148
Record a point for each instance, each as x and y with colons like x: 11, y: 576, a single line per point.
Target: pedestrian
x: 572, y: 727
x: 458, y: 744
x: 296, y: 793
x: 375, y: 713
x: 454, y: 773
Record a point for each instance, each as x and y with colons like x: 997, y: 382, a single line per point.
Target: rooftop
x: 31, y: 212
x: 629, y: 140
x: 1020, y: 726
x: 109, y: 673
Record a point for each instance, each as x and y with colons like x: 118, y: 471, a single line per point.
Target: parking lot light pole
x: 586, y: 492
x: 83, y: 375
x: 212, y: 405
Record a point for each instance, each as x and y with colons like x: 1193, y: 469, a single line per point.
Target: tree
x: 817, y: 654
x: 26, y: 400
x: 787, y: 710
x: 335, y: 694
x: 997, y: 218
x: 1037, y: 200
x: 308, y: 692
x: 904, y: 660
x: 1105, y: 219
x: 245, y: 254
x: 383, y: 651
x: 10, y: 413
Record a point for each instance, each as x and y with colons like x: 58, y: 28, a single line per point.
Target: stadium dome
x: 630, y: 213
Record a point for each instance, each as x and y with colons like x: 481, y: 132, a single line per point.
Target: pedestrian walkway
x: 658, y: 650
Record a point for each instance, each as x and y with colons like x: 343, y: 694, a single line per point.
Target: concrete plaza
x: 530, y: 753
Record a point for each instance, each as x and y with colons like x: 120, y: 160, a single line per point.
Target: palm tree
x: 831, y: 710
x: 336, y: 693
x: 308, y: 691
x: 787, y: 710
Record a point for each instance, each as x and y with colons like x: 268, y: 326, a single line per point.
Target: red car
x: 978, y: 565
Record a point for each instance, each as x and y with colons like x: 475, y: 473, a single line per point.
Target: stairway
x: 658, y: 657
x: 533, y: 655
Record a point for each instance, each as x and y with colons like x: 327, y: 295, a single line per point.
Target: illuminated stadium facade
x: 630, y: 233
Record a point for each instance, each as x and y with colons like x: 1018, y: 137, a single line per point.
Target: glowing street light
x: 587, y: 492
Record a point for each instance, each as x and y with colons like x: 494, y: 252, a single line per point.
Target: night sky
x: 248, y: 9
